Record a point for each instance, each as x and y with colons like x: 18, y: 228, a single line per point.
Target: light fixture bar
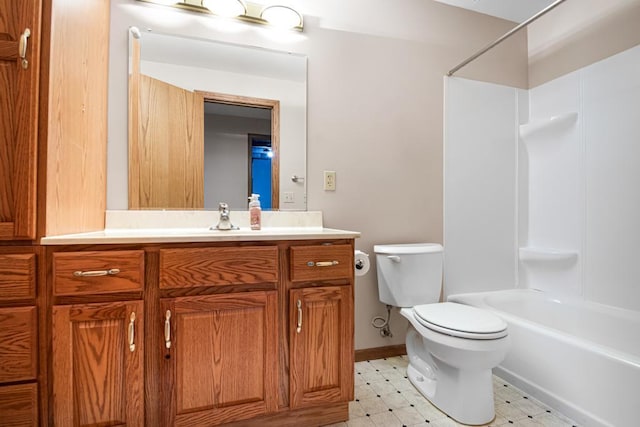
x: 252, y: 15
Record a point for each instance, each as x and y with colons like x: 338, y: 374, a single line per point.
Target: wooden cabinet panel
x: 185, y: 267
x: 97, y: 272
x: 19, y: 405
x: 19, y: 117
x: 320, y: 262
x: 321, y: 341
x: 97, y: 364
x: 17, y: 277
x: 221, y: 359
x: 18, y: 344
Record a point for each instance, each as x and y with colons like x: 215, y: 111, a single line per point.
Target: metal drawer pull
x: 96, y: 273
x: 167, y: 329
x: 299, y: 328
x: 322, y: 263
x: 132, y: 320
x: 22, y: 47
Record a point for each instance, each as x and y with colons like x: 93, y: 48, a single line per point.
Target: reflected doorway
x: 260, y: 170
x: 240, y: 151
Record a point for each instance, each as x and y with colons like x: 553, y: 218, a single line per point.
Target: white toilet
x: 451, y: 347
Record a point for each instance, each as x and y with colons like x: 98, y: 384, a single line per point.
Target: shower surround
x: 541, y: 193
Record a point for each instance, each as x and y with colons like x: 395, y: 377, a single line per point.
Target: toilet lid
x: 460, y: 320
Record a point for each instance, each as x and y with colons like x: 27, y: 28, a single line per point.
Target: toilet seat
x: 460, y: 320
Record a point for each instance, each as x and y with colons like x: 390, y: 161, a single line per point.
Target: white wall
x: 554, y: 206
x: 480, y: 193
x: 610, y: 99
x: 577, y: 178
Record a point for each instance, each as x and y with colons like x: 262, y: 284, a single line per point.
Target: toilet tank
x: 409, y: 274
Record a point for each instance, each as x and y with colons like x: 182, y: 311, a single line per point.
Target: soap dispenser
x: 255, y: 211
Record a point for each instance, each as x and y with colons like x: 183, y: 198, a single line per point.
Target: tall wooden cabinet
x: 53, y: 120
x: 53, y: 110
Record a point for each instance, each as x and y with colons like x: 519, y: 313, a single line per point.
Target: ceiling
x: 511, y: 10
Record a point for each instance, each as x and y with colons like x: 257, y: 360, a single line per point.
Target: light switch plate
x: 289, y: 197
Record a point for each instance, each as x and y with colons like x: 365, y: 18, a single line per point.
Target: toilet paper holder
x: 361, y: 263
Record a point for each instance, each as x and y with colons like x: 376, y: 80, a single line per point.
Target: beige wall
x: 375, y: 112
x: 578, y: 33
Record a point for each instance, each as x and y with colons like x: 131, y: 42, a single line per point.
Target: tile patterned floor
x: 384, y: 397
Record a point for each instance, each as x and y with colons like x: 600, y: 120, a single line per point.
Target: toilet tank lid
x: 408, y: 248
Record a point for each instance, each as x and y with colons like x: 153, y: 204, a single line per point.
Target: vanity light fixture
x: 275, y: 15
x: 226, y: 8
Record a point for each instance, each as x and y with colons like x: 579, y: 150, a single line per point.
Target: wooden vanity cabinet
x: 321, y: 337
x: 97, y: 363
x: 220, y: 346
x: 321, y: 324
x: 220, y: 356
x: 201, y: 334
x: 97, y: 337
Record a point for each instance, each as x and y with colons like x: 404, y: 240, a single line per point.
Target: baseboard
x: 380, y: 352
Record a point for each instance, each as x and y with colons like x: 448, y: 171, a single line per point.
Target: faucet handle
x: 222, y: 206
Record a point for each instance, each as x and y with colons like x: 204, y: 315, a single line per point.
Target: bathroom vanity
x: 183, y: 328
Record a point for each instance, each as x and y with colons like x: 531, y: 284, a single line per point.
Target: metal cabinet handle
x: 167, y: 329
x: 299, y: 328
x: 95, y: 273
x: 132, y: 320
x: 322, y: 263
x: 22, y: 47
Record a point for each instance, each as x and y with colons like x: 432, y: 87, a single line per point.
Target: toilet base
x: 469, y: 404
x: 466, y: 395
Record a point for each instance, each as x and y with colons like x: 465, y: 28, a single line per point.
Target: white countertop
x: 156, y: 227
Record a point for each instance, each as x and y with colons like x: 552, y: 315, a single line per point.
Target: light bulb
x: 225, y: 8
x: 166, y: 2
x: 281, y: 16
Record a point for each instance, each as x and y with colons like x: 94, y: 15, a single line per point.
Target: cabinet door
x: 220, y: 361
x: 19, y: 71
x: 98, y: 364
x: 321, y: 341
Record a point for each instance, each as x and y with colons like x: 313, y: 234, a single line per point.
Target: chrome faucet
x: 224, y: 223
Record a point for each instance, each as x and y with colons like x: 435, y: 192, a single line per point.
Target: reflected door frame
x: 274, y: 106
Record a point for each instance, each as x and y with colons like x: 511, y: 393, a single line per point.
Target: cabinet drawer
x: 99, y: 272
x: 18, y: 344
x: 322, y: 262
x: 191, y: 267
x: 19, y: 405
x: 17, y: 277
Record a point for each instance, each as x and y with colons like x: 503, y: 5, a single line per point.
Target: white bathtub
x: 580, y: 358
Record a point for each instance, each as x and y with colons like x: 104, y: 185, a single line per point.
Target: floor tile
x: 384, y: 397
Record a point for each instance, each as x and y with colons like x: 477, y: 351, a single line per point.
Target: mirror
x: 213, y: 122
